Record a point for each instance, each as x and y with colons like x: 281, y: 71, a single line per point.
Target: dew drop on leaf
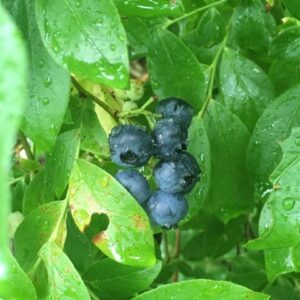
x: 288, y: 203
x: 46, y: 101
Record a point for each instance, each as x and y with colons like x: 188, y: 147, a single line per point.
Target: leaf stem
x: 98, y: 101
x: 26, y: 146
x: 213, y: 68
x: 171, y: 22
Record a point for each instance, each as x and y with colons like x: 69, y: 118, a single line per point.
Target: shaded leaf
x: 89, y: 39
x: 230, y: 192
x: 203, y: 289
x: 174, y: 70
x: 112, y: 280
x: 293, y: 6
x: 249, y: 26
x: 246, y: 89
x: 128, y: 238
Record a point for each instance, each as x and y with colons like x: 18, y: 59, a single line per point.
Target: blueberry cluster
x: 175, y: 174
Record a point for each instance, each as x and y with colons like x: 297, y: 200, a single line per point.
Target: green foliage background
x: 70, y: 70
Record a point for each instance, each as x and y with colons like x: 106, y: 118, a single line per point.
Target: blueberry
x: 177, y: 174
x: 169, y: 137
x: 177, y: 108
x: 130, y: 146
x: 166, y: 209
x: 135, y: 183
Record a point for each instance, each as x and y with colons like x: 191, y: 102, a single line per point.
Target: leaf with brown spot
x: 128, y: 237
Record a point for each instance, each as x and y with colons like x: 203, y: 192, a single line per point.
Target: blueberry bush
x: 149, y: 149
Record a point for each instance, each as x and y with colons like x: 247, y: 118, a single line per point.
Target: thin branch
x: 194, y: 12
x: 98, y: 101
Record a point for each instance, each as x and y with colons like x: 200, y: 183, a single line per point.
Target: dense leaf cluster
x: 71, y: 70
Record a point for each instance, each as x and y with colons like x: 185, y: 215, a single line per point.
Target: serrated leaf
x: 280, y: 218
x: 48, y: 84
x: 199, y: 147
x: 273, y: 127
x: 249, y: 26
x: 230, y: 192
x: 284, y: 74
x: 60, y: 162
x: 148, y: 8
x: 201, y: 289
x: 112, y: 280
x: 287, y: 44
x: 44, y: 223
x: 64, y: 280
x: 245, y: 88
x: 89, y: 39
x: 128, y: 237
x: 174, y: 70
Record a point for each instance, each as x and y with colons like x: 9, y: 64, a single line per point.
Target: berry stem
x: 171, y: 22
x: 166, y: 247
x: 177, y: 253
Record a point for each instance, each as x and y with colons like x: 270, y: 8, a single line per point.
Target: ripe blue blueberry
x: 169, y: 137
x: 177, y: 174
x: 135, y: 183
x: 177, y: 108
x: 166, y: 209
x: 130, y: 146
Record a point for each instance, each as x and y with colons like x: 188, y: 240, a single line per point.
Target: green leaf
x: 230, y: 192
x: 48, y: 84
x: 112, y: 280
x: 273, y: 126
x: 43, y: 224
x: 249, y: 26
x: 293, y: 6
x: 245, y: 88
x: 199, y: 147
x: 138, y: 35
x: 284, y: 74
x: 214, y: 238
x: 202, y: 289
x: 93, y: 136
x: 64, y: 280
x: 60, y: 162
x: 149, y: 8
x: 287, y: 44
x: 14, y: 284
x: 279, y: 220
x: 37, y: 193
x: 174, y: 70
x: 89, y: 39
x: 128, y: 238
x: 211, y: 28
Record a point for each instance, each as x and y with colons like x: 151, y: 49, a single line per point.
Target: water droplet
x: 78, y: 3
x: 113, y: 47
x: 41, y: 63
x: 47, y: 81
x: 99, y: 22
x: 45, y: 101
x: 288, y: 203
